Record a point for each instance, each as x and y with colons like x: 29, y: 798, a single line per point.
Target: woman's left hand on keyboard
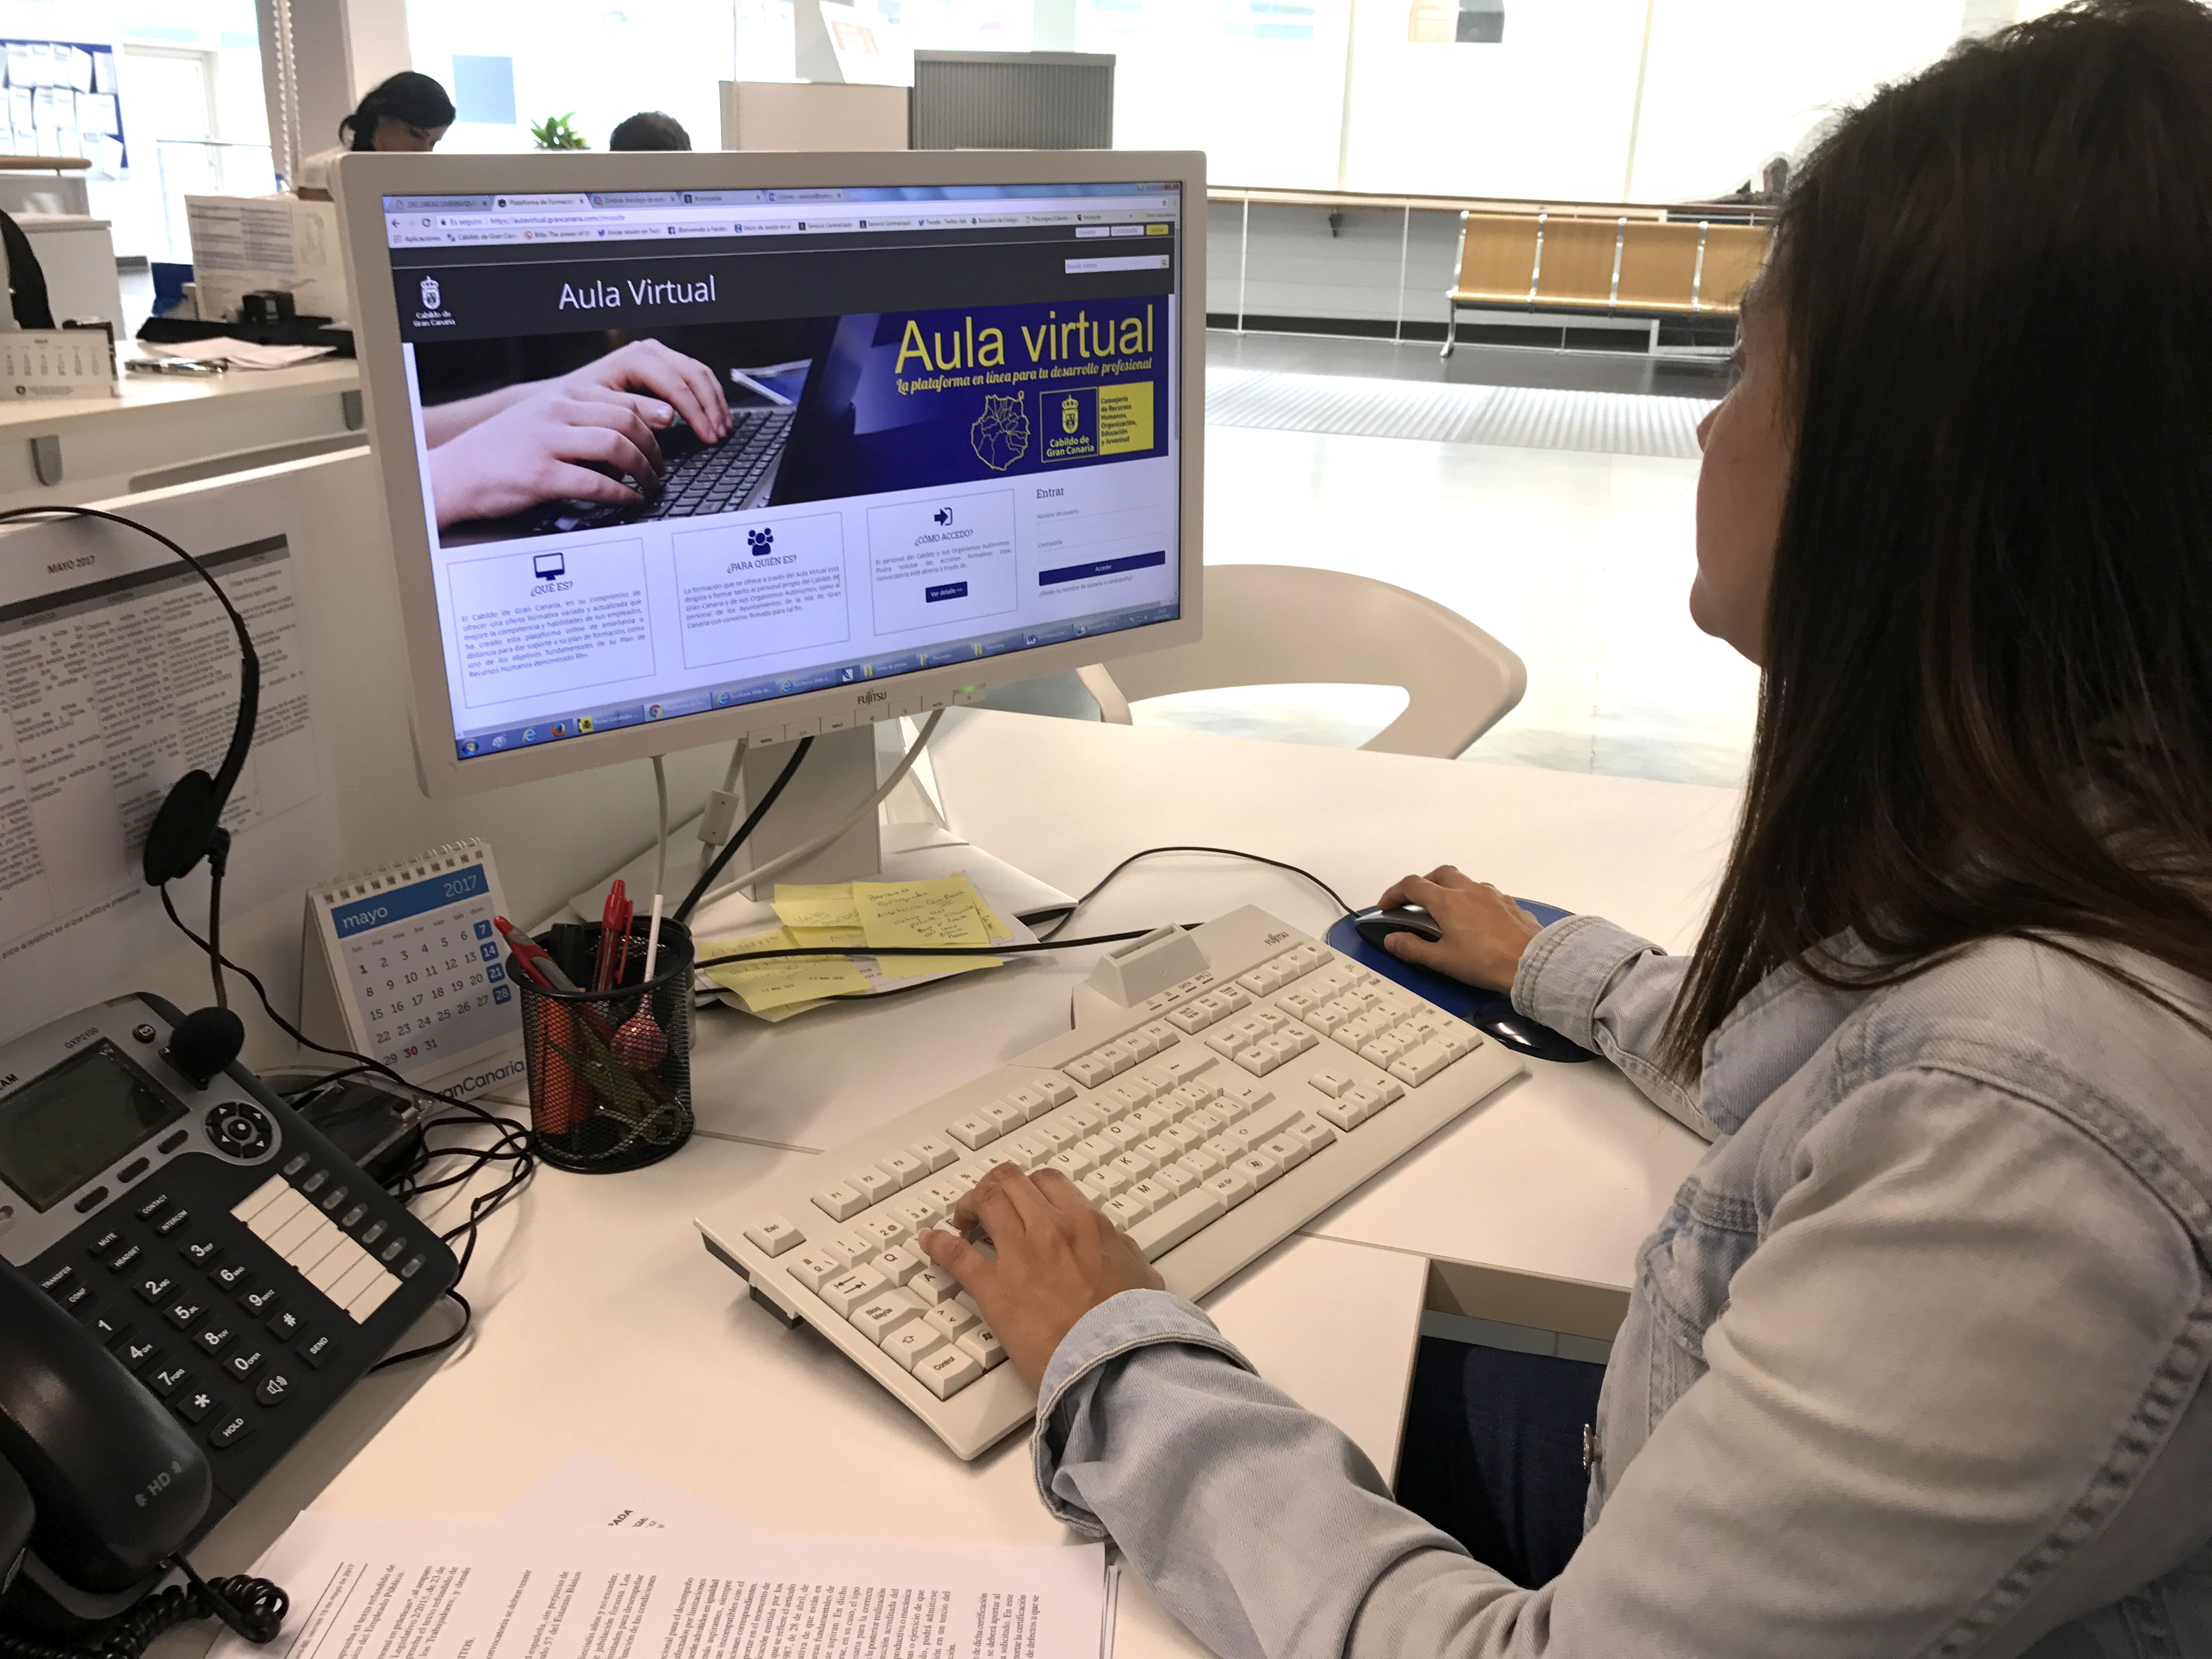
x: 1057, y: 1259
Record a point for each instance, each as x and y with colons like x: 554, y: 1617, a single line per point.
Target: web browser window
x: 687, y: 450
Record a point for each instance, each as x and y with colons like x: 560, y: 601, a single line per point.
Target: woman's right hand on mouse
x: 1484, y: 931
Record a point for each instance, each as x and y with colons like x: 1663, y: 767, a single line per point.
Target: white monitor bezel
x: 361, y: 181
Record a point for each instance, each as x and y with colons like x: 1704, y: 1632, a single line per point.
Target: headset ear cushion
x: 183, y: 829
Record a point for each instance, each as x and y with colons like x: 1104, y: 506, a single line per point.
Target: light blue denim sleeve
x: 1259, y: 1525
x: 1604, y: 988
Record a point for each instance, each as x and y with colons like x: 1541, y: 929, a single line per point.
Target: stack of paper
x: 598, y: 1564
x: 852, y: 917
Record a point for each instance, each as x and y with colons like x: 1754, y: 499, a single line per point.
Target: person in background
x: 649, y: 129
x: 407, y: 114
x: 1918, y: 1363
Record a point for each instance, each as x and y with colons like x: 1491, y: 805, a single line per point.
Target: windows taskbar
x: 701, y: 699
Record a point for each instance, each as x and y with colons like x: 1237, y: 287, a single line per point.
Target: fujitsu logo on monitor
x: 868, y: 697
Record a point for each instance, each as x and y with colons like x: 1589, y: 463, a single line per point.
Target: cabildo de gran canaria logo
x: 432, y: 313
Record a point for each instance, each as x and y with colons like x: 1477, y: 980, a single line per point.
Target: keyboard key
x: 914, y: 1342
x: 1118, y: 1055
x: 850, y: 1289
x: 880, y: 1314
x: 852, y: 1247
x: 918, y: 1212
x: 1090, y: 1071
x: 1258, y: 1168
x: 934, y: 1152
x: 774, y: 1234
x: 903, y: 1168
x: 1286, y: 1150
x: 948, y: 1370
x: 973, y: 1131
x: 1054, y: 1088
x: 1347, y: 1114
x: 1030, y: 1103
x: 885, y: 1229
x: 1029, y: 1150
x: 1125, y: 1210
x: 1009, y: 1118
x: 897, y: 1265
x: 1176, y: 1220
x: 1126, y: 1095
x: 814, y: 1266
x: 1173, y: 1179
x: 1204, y: 1161
x: 955, y: 1319
x: 1419, y: 1064
x: 1085, y: 1120
x: 1098, y: 1187
x: 872, y: 1184
x: 1133, y: 1165
x: 840, y: 1202
x: 982, y: 1345
x: 1314, y: 1135
x: 1074, y: 1163
x: 933, y: 1287
x: 1191, y: 1018
x: 1232, y: 1187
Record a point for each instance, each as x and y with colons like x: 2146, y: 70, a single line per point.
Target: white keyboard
x: 1210, y: 1119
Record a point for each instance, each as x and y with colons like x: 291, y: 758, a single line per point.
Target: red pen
x: 533, y: 959
x: 607, y: 970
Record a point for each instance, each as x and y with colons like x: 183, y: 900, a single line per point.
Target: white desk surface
x: 603, y: 1325
x: 143, y: 392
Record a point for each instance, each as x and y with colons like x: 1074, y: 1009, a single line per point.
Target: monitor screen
x: 688, y: 450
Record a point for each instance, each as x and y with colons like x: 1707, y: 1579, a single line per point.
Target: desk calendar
x: 402, y: 963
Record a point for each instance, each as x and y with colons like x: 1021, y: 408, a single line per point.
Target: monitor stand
x: 908, y: 839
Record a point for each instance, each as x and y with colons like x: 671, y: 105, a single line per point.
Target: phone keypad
x: 192, y: 1294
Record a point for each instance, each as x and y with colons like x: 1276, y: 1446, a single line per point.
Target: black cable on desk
x: 1219, y: 852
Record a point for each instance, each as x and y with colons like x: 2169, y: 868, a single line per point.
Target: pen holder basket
x: 606, y: 1093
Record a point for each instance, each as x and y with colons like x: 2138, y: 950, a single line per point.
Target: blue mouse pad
x: 1491, y: 1013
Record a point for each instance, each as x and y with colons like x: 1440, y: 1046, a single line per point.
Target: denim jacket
x: 1915, y: 1364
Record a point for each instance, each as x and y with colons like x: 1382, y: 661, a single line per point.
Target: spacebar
x: 1176, y: 1221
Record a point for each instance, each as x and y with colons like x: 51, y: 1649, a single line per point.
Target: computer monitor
x: 683, y: 448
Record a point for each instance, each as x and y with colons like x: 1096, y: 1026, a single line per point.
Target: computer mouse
x: 1360, y: 936
x: 1376, y: 925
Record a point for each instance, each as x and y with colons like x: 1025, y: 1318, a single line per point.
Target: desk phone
x: 224, y: 1253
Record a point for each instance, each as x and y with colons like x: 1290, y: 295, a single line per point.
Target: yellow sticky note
x: 766, y: 985
x: 828, y: 905
x: 829, y: 938
x: 993, y: 924
x: 914, y: 967
x: 914, y: 913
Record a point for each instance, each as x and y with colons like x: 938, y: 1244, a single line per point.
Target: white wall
x: 1544, y: 112
x: 1731, y: 83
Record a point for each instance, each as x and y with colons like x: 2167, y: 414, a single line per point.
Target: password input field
x: 1143, y: 524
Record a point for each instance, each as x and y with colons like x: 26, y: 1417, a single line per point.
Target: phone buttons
x: 153, y: 1288
x: 240, y: 1130
x: 243, y: 1365
x: 318, y: 1351
x: 285, y: 1326
x: 262, y: 1303
x: 274, y: 1389
x: 125, y: 1259
x: 183, y: 1315
x: 134, y: 1352
x: 229, y: 1432
x: 165, y: 1380
x: 193, y: 1404
x: 215, y: 1339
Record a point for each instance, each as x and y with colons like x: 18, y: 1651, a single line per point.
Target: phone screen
x: 60, y: 1130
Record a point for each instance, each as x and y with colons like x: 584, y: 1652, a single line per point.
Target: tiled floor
x: 1579, y: 561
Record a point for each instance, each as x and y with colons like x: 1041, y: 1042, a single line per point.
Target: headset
x: 188, y: 828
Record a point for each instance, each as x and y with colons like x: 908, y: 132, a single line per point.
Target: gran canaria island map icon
x: 1001, y: 432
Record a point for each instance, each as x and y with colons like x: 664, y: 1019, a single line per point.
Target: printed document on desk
x: 364, y: 1588
x: 120, y: 673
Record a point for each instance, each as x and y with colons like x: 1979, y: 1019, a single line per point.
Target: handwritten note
x: 763, y: 986
x: 916, y: 913
x: 817, y: 906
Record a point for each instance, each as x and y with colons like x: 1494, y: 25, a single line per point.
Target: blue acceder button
x: 1077, y: 572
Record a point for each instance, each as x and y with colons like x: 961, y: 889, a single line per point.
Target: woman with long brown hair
x: 1917, y: 1363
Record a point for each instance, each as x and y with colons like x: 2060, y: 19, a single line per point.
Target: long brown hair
x: 1987, y: 705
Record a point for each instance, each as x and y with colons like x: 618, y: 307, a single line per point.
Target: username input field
x: 1129, y: 262
x: 1147, y: 523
